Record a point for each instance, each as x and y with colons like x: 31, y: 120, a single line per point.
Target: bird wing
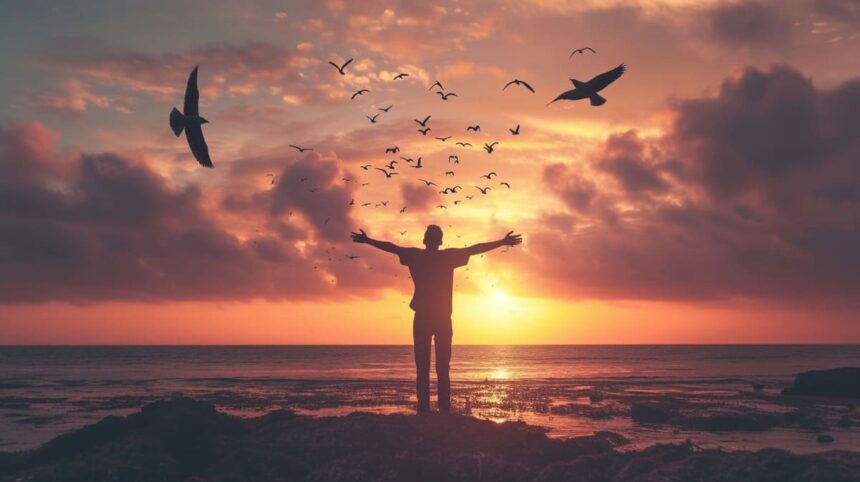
x: 194, y: 134
x: 601, y: 81
x: 334, y: 65
x: 527, y: 86
x: 509, y: 83
x: 345, y: 64
x: 192, y: 96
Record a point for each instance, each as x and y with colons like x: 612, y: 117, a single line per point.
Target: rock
x: 758, y: 386
x: 649, y: 412
x: 837, y: 382
x: 823, y: 438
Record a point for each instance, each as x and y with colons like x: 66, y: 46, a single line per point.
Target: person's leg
x: 422, y: 368
x: 443, y: 362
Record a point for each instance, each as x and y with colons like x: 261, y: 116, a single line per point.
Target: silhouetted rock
x: 837, y: 382
x: 186, y: 440
x: 824, y: 438
x: 650, y: 412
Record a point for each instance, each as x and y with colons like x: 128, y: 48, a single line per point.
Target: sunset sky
x: 715, y: 198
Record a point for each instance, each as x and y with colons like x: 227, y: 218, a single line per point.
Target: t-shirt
x: 433, y: 275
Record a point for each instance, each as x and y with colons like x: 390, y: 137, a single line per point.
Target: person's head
x: 433, y: 237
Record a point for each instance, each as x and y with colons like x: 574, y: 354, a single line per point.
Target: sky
x: 714, y: 198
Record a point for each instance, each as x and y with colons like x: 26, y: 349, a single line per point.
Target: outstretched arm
x: 510, y: 239
x: 362, y: 237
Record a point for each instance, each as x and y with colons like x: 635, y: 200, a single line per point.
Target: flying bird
x: 340, y: 68
x: 519, y: 82
x: 449, y: 173
x: 454, y: 158
x: 589, y: 90
x: 445, y: 96
x: 418, y: 164
x: 359, y: 92
x: 441, y: 206
x: 515, y: 132
x: 190, y: 121
x: 490, y: 174
x: 424, y: 130
x: 391, y: 164
x: 393, y: 150
x: 489, y: 147
x: 352, y: 256
x: 364, y: 205
x: 386, y: 109
x: 443, y: 139
x: 464, y: 144
x: 372, y: 119
x: 403, y: 210
x: 483, y: 189
x: 579, y: 51
x: 428, y: 183
x: 301, y: 149
x: 423, y: 123
x: 435, y: 84
x: 366, y: 166
x: 402, y: 233
x: 505, y: 184
x: 476, y: 128
x: 387, y: 174
x: 400, y: 76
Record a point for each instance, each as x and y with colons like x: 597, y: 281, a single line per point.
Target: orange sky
x: 715, y: 198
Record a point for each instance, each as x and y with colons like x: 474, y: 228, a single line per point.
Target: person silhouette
x: 432, y: 271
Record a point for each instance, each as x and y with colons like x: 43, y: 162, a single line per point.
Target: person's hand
x: 512, y: 239
x: 360, y: 237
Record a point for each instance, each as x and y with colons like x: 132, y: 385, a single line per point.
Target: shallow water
x: 570, y: 390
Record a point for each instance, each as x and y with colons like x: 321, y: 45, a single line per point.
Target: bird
x: 454, y: 158
x: 352, y: 256
x: 423, y: 123
x: 483, y: 189
x: 515, y: 132
x: 402, y: 233
x: 391, y: 164
x: 503, y: 183
x: 303, y: 179
x: 418, y: 164
x: 366, y: 166
x: 489, y: 147
x: 475, y: 128
x: 441, y: 206
x: 384, y: 203
x: 464, y: 144
x: 365, y: 204
x: 456, y: 202
x: 190, y: 121
x: 443, y: 139
x: 490, y: 174
x: 301, y: 149
x: 400, y: 76
x: 313, y: 189
x: 424, y: 130
x: 387, y: 174
x: 340, y: 68
x: 393, y: 150
x: 428, y: 183
x: 352, y: 202
x: 386, y: 109
x: 449, y: 173
x: 359, y: 92
x: 403, y: 210
x: 579, y: 51
x: 469, y: 197
x: 589, y: 90
x: 435, y: 84
x: 519, y: 82
x: 445, y: 96
x: 372, y: 119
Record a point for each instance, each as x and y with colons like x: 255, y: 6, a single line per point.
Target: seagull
x: 359, y: 92
x: 352, y: 256
x: 424, y: 130
x: 454, y: 158
x: 483, y: 189
x: 366, y: 166
x: 445, y: 96
x: 402, y: 233
x: 301, y: 149
x: 505, y: 184
x: 418, y: 164
x: 476, y: 128
x: 590, y: 89
x: 490, y: 174
x: 441, y: 206
x: 372, y: 119
x: 449, y: 173
x: 423, y: 123
x: 391, y: 164
x: 403, y: 210
x: 489, y: 147
x: 464, y: 144
x: 443, y: 139
x: 352, y: 202
x: 387, y: 174
x: 579, y: 51
x: 190, y: 121
x: 384, y: 203
x: 340, y: 68
x: 519, y: 82
x: 435, y: 84
x: 364, y: 205
x: 386, y: 109
x: 400, y: 76
x: 393, y: 150
x: 428, y: 183
x: 515, y: 132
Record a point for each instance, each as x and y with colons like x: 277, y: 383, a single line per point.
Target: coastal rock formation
x: 836, y: 382
x: 188, y: 440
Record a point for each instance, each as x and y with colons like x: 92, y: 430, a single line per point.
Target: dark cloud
x: 842, y: 10
x: 759, y: 200
x: 419, y: 197
x: 748, y: 23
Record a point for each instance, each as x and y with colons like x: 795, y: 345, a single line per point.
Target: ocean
x: 569, y: 390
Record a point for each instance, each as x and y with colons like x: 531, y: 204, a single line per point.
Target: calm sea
x: 570, y: 390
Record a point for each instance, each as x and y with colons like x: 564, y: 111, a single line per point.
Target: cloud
x: 748, y: 23
x: 418, y: 197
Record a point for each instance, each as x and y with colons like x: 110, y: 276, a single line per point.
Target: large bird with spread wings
x: 190, y: 121
x: 589, y: 90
